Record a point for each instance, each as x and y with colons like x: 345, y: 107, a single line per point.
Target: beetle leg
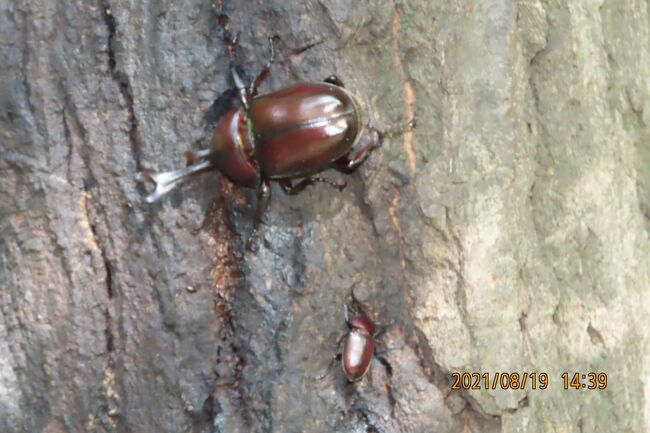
x: 338, y: 357
x: 387, y: 365
x: 329, y: 367
x: 244, y: 96
x: 263, y: 196
x: 333, y: 79
x: 349, y: 164
x: 229, y: 40
x: 389, y: 388
x: 300, y: 50
x: 382, y: 328
x: 291, y: 189
x: 252, y: 90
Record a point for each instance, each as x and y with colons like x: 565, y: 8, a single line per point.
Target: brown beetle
x: 359, y: 345
x: 290, y: 134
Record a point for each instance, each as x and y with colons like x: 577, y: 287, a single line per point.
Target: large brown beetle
x: 292, y: 133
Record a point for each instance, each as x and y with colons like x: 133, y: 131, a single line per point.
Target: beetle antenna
x: 166, y: 181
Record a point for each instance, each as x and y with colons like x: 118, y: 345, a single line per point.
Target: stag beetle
x: 291, y: 133
x: 359, y: 344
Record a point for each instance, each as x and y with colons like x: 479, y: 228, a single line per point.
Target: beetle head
x: 232, y: 150
x: 357, y: 320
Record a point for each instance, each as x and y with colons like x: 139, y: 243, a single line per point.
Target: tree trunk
x: 507, y: 233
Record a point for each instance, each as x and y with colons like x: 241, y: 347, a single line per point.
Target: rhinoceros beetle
x: 290, y: 134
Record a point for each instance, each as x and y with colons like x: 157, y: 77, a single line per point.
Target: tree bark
x: 507, y: 233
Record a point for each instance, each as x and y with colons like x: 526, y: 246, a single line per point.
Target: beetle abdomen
x: 357, y: 354
x: 301, y: 129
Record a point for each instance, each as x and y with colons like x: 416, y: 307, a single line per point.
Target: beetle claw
x: 413, y: 122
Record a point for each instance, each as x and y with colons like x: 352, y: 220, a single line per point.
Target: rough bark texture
x: 508, y: 233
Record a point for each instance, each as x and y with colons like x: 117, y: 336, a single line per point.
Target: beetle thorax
x: 360, y: 323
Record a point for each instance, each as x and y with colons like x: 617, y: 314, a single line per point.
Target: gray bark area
x: 507, y: 233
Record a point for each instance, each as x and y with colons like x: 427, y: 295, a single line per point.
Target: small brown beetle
x: 359, y: 345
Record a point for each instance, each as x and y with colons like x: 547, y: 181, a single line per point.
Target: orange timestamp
x: 499, y: 380
x: 589, y: 380
x: 525, y: 380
